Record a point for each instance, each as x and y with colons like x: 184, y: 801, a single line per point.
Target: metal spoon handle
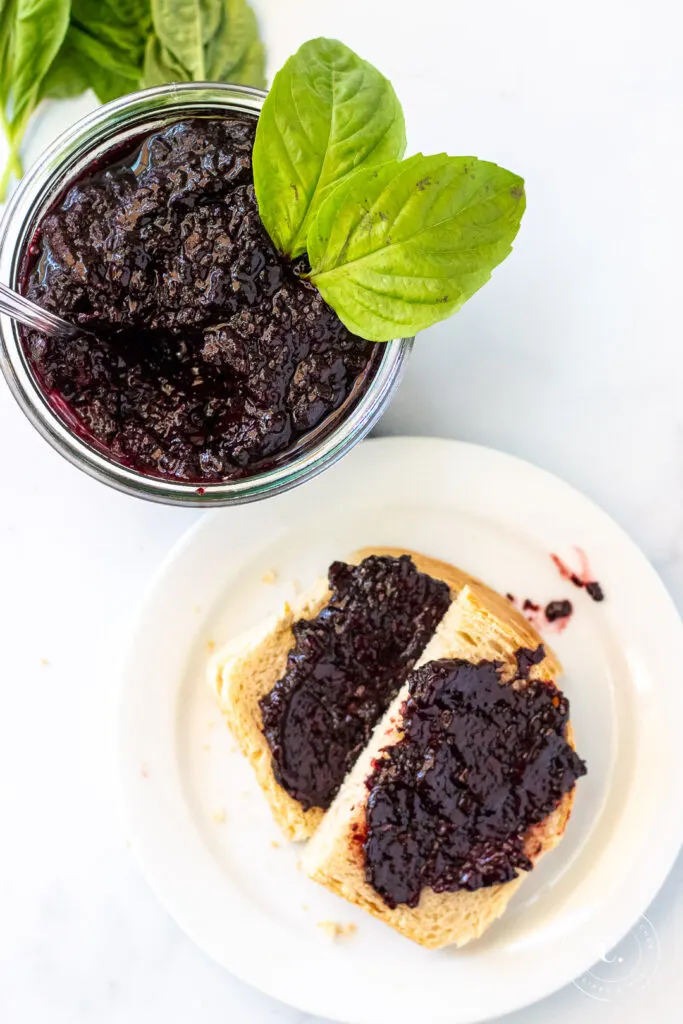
x: 32, y: 315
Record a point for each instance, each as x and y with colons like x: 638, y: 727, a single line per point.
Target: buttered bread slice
x: 303, y: 691
x: 468, y: 780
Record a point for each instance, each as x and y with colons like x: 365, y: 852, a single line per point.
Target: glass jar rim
x: 56, y: 168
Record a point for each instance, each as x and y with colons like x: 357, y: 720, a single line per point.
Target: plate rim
x: 668, y: 852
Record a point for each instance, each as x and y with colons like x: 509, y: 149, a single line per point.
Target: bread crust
x: 245, y: 670
x: 477, y: 626
x: 248, y: 667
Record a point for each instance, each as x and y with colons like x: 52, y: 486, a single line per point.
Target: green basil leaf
x: 183, y: 27
x: 120, y: 26
x: 252, y: 68
x: 7, y: 14
x: 109, y: 38
x: 31, y: 33
x: 67, y: 76
x: 39, y: 30
x: 227, y: 47
x: 13, y: 166
x: 108, y: 85
x: 231, y: 50
x: 161, y: 66
x: 397, y: 248
x: 328, y: 112
x: 104, y: 55
x: 211, y: 15
x: 213, y: 40
x: 72, y: 72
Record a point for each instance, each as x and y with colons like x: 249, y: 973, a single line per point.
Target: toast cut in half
x: 249, y: 666
x: 476, y: 628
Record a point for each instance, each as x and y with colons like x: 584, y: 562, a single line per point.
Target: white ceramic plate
x: 202, y: 828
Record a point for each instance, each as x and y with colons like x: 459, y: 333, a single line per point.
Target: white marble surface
x: 571, y: 358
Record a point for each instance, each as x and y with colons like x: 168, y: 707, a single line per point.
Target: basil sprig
x: 60, y: 48
x: 394, y: 245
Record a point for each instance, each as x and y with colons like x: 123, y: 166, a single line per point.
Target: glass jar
x: 77, y: 149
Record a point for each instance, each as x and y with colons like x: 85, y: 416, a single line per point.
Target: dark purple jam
x: 478, y: 765
x: 213, y: 356
x: 583, y: 579
x: 555, y: 610
x: 347, y: 665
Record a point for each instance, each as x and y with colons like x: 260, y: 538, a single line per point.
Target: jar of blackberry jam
x: 210, y: 371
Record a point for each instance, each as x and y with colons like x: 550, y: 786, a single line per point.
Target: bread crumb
x: 299, y: 865
x: 44, y: 661
x: 211, y: 645
x: 207, y: 746
x: 304, y: 906
x: 197, y: 608
x: 275, y: 844
x: 219, y: 816
x: 269, y: 577
x: 210, y: 725
x: 335, y: 930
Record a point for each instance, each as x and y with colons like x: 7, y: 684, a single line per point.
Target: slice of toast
x: 476, y: 627
x: 248, y: 667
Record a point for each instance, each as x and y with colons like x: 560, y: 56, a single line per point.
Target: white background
x: 570, y: 357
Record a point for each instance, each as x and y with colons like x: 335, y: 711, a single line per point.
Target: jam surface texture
x: 479, y: 763
x: 212, y: 355
x: 347, y: 665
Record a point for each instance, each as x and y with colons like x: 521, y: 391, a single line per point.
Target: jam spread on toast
x: 211, y: 356
x: 346, y: 666
x: 479, y: 763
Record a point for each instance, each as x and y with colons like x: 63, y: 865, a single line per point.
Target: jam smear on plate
x: 584, y: 578
x: 554, y: 618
